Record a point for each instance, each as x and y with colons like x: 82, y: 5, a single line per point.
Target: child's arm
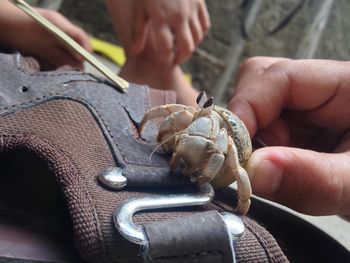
x: 21, y: 32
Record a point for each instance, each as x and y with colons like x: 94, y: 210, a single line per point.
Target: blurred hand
x: 55, y: 51
x: 161, y: 30
x: 178, y: 26
x: 25, y: 35
x: 300, y: 109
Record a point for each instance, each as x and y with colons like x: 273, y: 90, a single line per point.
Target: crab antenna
x: 162, y: 142
x: 201, y: 99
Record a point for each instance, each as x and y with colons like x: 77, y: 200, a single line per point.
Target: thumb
x: 307, y: 181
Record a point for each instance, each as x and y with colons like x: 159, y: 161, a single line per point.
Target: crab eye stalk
x: 209, y: 103
x: 201, y: 99
x: 208, y: 106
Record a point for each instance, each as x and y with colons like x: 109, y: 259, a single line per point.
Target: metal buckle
x: 114, y: 179
x: 134, y: 233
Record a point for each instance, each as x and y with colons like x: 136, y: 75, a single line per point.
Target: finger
x: 140, y: 30
x: 75, y: 32
x: 250, y: 73
x: 59, y: 57
x: 82, y: 38
x: 184, y: 43
x: 277, y: 133
x: 196, y: 30
x: 204, y: 17
x: 71, y: 53
x: 307, y: 181
x: 256, y: 66
x: 122, y: 14
x: 302, y: 85
x: 164, y: 41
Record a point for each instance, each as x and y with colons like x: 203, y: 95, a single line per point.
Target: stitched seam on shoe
x: 35, y: 99
x: 200, y: 254
x: 47, y: 96
x: 79, y: 99
x: 106, y: 126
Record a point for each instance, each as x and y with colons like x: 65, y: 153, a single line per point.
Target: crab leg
x: 243, y: 184
x: 244, y: 192
x: 212, y: 168
x: 211, y: 171
x: 162, y: 111
x: 175, y: 122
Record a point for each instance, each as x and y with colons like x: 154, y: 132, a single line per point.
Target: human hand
x: 56, y: 52
x: 161, y: 30
x: 301, y: 109
x: 22, y: 33
x: 178, y: 26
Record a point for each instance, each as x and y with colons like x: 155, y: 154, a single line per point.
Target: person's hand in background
x: 22, y: 33
x: 300, y: 109
x: 157, y: 36
x: 176, y: 27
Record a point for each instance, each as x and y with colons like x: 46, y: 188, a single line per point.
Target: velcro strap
x: 201, y: 237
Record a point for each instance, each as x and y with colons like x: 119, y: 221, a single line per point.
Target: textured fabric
x: 58, y: 123
x: 76, y: 145
x: 50, y: 130
x: 267, y: 251
x: 172, y: 240
x: 257, y: 244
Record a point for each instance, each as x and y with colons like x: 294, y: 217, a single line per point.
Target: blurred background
x: 241, y: 29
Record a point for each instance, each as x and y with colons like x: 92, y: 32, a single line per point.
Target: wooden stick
x: 122, y: 84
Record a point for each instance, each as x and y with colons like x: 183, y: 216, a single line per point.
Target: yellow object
x: 112, y: 52
x: 188, y: 77
x: 115, y: 53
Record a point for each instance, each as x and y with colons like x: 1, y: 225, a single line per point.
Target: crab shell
x: 238, y: 132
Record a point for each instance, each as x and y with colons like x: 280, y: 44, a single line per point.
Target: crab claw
x: 201, y: 99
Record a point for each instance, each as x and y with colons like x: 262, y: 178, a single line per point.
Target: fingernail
x: 265, y: 176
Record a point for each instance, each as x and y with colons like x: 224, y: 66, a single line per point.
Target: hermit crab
x: 208, y: 143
